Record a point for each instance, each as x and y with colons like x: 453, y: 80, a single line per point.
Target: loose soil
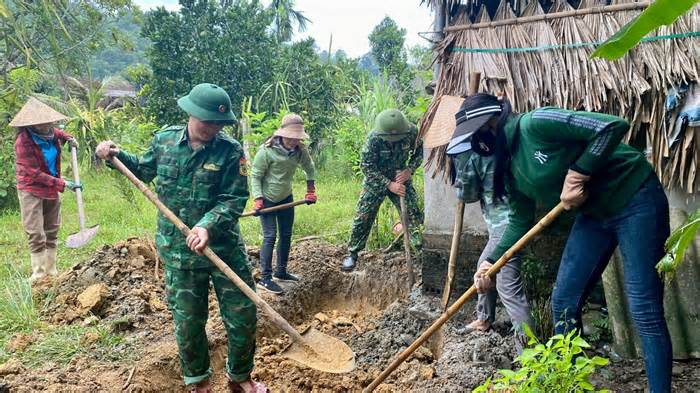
x: 371, y: 310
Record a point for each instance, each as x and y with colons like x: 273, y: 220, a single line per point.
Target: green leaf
x: 4, y: 12
x: 598, y: 361
x: 580, y: 342
x: 678, y: 243
x: 586, y: 385
x: 661, y: 12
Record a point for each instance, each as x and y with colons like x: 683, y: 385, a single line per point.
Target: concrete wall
x: 440, y: 204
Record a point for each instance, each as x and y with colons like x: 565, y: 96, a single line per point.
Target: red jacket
x: 30, y: 166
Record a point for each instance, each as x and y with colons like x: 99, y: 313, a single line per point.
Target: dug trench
x: 121, y: 289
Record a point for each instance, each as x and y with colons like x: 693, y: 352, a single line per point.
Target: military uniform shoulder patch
x: 243, y: 166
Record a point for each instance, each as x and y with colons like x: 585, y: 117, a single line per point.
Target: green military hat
x: 391, y: 125
x: 208, y: 102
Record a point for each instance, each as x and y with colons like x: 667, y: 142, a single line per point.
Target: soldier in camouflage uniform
x: 201, y: 176
x: 474, y: 182
x: 389, y: 159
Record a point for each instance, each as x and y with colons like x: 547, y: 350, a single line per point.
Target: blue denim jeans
x: 282, y: 220
x: 640, y: 230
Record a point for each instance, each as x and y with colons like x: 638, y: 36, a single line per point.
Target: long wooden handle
x: 78, y: 191
x: 544, y: 222
x: 407, y: 242
x: 271, y: 313
x: 454, y: 251
x: 276, y: 208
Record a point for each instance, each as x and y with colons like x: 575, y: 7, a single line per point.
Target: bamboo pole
x: 554, y: 15
x: 474, y: 79
x: 453, y: 309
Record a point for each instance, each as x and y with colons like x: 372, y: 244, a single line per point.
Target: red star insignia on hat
x: 222, y: 108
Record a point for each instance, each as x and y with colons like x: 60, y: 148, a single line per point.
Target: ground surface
x: 370, y: 310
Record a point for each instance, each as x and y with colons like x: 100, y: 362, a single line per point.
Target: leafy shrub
x: 560, y: 365
x: 20, y: 83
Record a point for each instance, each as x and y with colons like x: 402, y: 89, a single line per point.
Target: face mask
x: 484, y: 143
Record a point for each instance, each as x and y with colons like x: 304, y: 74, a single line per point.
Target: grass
x: 111, y: 202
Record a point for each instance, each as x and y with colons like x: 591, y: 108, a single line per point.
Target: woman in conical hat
x: 38, y: 171
x: 273, y: 169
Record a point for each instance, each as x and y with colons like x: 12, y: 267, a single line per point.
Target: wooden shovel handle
x: 407, y: 242
x: 454, y: 251
x: 276, y: 208
x: 78, y: 191
x: 452, y: 310
x: 271, y: 313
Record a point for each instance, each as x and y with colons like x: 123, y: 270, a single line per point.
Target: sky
x: 350, y: 22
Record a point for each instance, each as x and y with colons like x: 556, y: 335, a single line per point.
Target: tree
x: 387, y: 47
x: 130, y: 46
x: 231, y: 46
x: 286, y: 18
x: 54, y: 36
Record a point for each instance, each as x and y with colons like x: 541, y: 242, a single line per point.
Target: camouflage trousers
x: 367, y: 209
x: 187, y: 293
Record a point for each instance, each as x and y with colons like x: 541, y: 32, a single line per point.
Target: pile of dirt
x: 121, y: 285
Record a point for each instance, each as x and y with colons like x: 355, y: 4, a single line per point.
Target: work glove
x: 403, y: 176
x: 71, y: 185
x: 482, y: 281
x: 573, y: 194
x: 198, y: 239
x: 72, y: 142
x: 310, y: 192
x: 257, y: 206
x: 397, y: 188
x: 106, y: 150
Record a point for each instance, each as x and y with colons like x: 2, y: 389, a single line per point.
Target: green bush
x: 560, y: 365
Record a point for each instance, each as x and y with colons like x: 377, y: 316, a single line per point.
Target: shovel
x: 454, y: 251
x: 407, y: 242
x: 84, y: 236
x: 276, y: 208
x: 452, y: 310
x: 314, y: 349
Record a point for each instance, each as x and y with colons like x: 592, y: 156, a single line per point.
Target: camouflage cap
x: 208, y: 102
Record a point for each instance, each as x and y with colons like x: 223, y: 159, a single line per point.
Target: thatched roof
x: 555, y: 68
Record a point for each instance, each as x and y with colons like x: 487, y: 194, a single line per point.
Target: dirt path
x: 370, y: 310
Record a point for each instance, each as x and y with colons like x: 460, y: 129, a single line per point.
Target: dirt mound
x: 120, y: 284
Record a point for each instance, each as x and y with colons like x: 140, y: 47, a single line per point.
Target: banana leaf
x: 661, y: 12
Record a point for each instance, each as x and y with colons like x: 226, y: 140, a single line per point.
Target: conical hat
x: 36, y: 112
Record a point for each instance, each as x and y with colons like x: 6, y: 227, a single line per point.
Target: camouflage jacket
x: 206, y: 188
x: 381, y: 159
x: 474, y: 182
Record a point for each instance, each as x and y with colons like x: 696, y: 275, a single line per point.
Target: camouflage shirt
x: 474, y: 182
x: 381, y: 159
x: 206, y: 187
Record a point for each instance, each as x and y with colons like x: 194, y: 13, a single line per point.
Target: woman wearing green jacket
x: 273, y: 169
x: 551, y: 155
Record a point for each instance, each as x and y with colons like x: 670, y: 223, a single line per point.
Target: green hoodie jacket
x: 546, y: 143
x: 273, y: 169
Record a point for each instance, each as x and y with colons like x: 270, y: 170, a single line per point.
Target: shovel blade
x: 322, y: 352
x: 81, y: 238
